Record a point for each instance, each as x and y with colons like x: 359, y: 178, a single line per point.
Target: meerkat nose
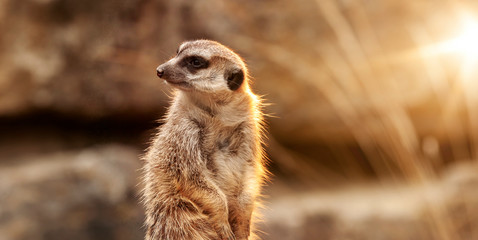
x: 160, y: 72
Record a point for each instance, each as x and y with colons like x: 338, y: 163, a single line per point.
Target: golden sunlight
x: 463, y: 47
x: 465, y: 44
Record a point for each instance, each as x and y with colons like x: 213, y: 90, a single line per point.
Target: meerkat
x: 204, y: 169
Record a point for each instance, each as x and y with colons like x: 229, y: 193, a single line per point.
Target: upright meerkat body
x: 204, y: 169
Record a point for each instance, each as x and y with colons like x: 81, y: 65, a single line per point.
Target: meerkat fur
x: 204, y: 169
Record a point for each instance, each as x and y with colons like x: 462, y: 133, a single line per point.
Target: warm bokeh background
x: 372, y: 113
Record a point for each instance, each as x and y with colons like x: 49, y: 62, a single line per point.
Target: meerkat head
x: 204, y: 66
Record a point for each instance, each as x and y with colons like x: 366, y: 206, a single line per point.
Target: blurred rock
x: 87, y: 194
x: 88, y: 58
x: 438, y: 209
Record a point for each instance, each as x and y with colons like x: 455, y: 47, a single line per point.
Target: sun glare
x: 466, y: 43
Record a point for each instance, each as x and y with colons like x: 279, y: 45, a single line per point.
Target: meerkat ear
x: 234, y: 78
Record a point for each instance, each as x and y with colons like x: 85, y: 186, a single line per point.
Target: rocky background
x: 373, y: 120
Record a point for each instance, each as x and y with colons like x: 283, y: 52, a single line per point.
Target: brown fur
x: 204, y: 169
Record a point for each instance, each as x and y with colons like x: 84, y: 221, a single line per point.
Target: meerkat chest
x: 228, y: 153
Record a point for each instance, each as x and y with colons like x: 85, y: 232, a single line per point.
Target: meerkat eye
x: 197, y: 62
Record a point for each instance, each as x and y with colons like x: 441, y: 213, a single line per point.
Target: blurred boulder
x: 86, y: 194
x: 89, y: 59
x: 444, y: 208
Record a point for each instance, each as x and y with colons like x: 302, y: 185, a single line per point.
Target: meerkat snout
x: 160, y: 72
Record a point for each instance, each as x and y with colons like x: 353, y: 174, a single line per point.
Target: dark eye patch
x: 194, y: 63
